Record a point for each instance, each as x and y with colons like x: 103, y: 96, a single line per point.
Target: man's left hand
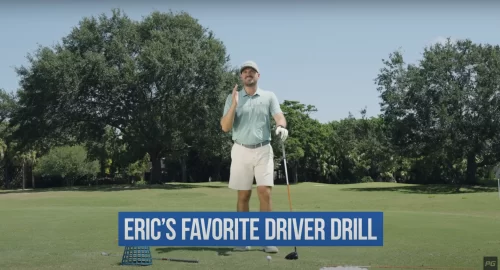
x: 282, y: 133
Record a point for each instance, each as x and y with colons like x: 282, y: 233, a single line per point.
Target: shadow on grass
x: 428, y: 189
x: 110, y: 188
x: 221, y: 251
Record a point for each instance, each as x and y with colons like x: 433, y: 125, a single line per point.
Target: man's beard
x: 250, y: 82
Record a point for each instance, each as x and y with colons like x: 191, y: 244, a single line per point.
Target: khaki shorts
x: 247, y: 163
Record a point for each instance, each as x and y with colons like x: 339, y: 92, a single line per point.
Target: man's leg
x: 241, y: 179
x: 243, y: 204
x: 265, y: 198
x: 264, y: 176
x: 241, y: 174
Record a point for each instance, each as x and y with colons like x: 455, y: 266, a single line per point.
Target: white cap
x: 250, y: 64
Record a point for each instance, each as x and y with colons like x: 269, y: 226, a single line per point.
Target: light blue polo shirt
x: 252, y: 120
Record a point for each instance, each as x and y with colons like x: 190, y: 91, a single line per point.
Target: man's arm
x: 280, y: 119
x: 227, y: 119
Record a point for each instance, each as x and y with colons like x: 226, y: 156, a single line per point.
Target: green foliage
x: 157, y: 81
x: 131, y: 93
x: 445, y: 108
x: 110, y: 150
x: 8, y: 106
x: 68, y: 162
x: 366, y: 179
x: 137, y: 169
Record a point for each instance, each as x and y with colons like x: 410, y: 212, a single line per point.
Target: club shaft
x: 161, y: 259
x: 407, y: 267
x: 287, y: 183
x: 179, y: 260
x: 286, y: 176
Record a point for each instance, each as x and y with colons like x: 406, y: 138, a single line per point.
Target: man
x: 247, y: 114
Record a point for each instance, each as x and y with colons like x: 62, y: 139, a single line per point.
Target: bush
x: 68, y: 162
x: 366, y: 179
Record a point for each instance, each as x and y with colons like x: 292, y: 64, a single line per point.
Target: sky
x: 325, y: 54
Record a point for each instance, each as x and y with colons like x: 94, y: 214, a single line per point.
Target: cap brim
x: 242, y: 68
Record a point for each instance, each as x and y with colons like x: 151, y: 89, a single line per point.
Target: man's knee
x: 264, y: 192
x: 244, y: 196
x: 265, y: 198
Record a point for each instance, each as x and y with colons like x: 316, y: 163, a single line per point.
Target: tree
x: 304, y: 147
x: 446, y: 107
x: 8, y: 105
x: 214, y: 148
x: 156, y: 81
x: 109, y: 150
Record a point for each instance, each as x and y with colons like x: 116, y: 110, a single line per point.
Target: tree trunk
x: 155, y: 176
x: 103, y: 167
x: 156, y: 171
x: 471, y: 169
x: 32, y: 177
x: 7, y: 174
x: 184, y: 169
x: 24, y: 176
x: 296, y: 172
x: 217, y: 175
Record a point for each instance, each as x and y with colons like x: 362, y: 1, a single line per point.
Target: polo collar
x: 257, y: 93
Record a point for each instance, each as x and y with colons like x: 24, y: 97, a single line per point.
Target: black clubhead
x: 292, y: 256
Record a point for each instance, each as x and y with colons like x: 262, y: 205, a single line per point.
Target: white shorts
x: 247, y: 163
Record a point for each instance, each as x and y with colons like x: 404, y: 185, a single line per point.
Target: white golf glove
x: 282, y: 133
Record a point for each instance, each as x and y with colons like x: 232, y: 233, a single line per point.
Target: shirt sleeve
x: 275, y: 105
x: 229, y: 102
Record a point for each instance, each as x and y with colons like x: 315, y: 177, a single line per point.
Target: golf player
x: 247, y: 113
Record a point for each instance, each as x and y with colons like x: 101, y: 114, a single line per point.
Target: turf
x: 424, y: 226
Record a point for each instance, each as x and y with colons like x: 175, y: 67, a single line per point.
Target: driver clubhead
x: 292, y: 256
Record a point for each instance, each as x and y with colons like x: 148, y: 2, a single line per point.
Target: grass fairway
x: 423, y: 226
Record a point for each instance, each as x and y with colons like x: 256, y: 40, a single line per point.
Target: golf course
x: 116, y: 107
x: 424, y: 226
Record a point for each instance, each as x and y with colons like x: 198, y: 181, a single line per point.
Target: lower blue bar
x: 250, y: 229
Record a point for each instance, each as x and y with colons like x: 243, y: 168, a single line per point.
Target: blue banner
x: 250, y: 229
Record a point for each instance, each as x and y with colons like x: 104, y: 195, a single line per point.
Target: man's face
x: 249, y: 76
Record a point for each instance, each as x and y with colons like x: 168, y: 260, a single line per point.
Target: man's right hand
x: 228, y: 119
x: 235, y: 95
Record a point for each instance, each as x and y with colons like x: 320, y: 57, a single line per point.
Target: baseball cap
x: 250, y: 64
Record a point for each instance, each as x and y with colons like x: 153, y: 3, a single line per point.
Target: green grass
x: 424, y: 226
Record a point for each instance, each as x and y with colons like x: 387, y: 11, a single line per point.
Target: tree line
x: 124, y: 101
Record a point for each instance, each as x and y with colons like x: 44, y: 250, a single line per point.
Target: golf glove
x: 282, y: 133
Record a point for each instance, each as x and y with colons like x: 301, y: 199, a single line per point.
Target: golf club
x: 161, y: 259
x: 397, y: 267
x: 292, y: 255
